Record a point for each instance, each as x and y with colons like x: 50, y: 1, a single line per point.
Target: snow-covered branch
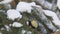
x: 45, y: 4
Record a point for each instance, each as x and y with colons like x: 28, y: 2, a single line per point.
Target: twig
x: 42, y: 18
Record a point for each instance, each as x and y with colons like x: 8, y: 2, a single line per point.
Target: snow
x: 2, y: 28
x: 38, y: 6
x: 29, y: 32
x: 26, y: 32
x: 57, y: 30
x: 5, y: 1
x: 58, y: 4
x: 17, y: 24
x: 23, y: 32
x: 27, y: 23
x: 13, y: 14
x: 0, y: 32
x: 56, y: 22
x: 32, y: 3
x: 10, y: 25
x: 52, y: 14
x: 49, y: 13
x: 25, y: 7
x: 7, y: 27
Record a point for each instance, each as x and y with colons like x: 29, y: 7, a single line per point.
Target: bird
x: 25, y: 7
x: 12, y: 14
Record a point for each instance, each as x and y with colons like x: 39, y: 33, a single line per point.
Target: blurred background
x: 36, y: 22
